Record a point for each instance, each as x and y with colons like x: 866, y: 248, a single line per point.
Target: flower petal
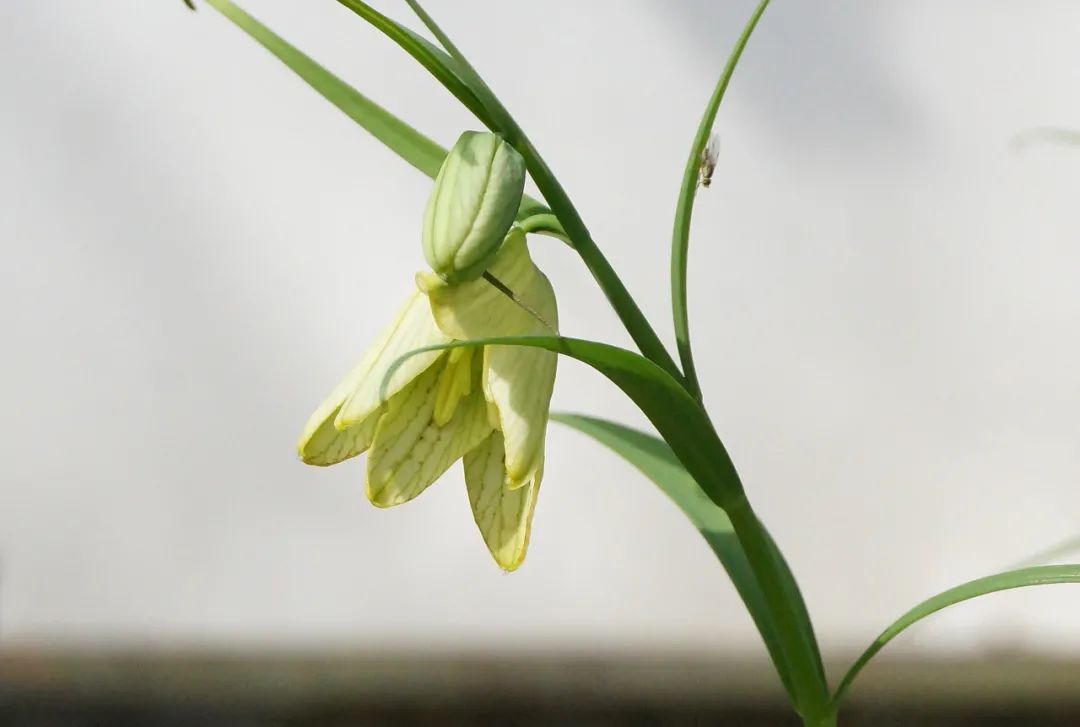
x: 411, y: 450
x: 477, y: 309
x: 368, y: 387
x: 323, y: 445
x: 519, y: 381
x: 504, y: 516
x: 331, y: 435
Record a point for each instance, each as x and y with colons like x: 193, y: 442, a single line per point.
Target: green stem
x: 810, y: 691
x: 785, y: 606
x: 639, y: 328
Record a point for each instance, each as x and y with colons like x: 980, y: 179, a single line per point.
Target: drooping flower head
x: 487, y: 406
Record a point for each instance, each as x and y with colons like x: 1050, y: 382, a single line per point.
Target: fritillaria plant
x: 466, y: 369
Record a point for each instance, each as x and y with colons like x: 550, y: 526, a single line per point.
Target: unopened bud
x: 472, y: 206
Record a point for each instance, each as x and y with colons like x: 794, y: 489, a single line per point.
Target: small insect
x: 708, y: 161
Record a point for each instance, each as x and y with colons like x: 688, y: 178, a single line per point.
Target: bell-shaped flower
x: 486, y: 406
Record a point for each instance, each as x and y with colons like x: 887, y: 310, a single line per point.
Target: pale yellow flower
x: 486, y: 406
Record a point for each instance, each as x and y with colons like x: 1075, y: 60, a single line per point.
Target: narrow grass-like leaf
x: 402, y: 139
x: 491, y: 103
x: 684, y: 210
x: 448, y: 71
x: 790, y: 617
x: 674, y: 413
x: 405, y: 141
x: 1037, y: 576
x: 683, y: 424
x: 654, y: 458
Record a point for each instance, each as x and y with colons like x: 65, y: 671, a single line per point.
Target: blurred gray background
x: 196, y: 247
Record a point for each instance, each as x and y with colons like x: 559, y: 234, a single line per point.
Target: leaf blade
x: 675, y: 414
x: 654, y: 459
x: 681, y: 421
x: 684, y: 210
x: 405, y: 141
x: 1021, y: 578
x: 412, y: 146
x: 439, y: 64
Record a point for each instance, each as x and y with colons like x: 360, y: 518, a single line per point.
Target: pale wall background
x: 196, y: 247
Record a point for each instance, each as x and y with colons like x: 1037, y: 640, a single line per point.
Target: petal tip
x: 511, y: 565
x: 341, y: 422
x: 429, y: 283
x: 378, y: 498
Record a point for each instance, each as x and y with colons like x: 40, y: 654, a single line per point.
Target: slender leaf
x: 446, y: 69
x: 501, y: 118
x: 680, y: 239
x: 683, y: 424
x: 465, y: 84
x: 654, y: 458
x: 674, y: 413
x: 1037, y: 576
x: 405, y: 141
x: 789, y: 614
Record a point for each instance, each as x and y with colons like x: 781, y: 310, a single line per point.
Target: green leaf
x: 686, y: 428
x: 459, y: 64
x: 654, y: 458
x: 1037, y: 576
x: 674, y: 413
x: 684, y: 210
x: 405, y: 141
x: 402, y: 139
x: 453, y: 75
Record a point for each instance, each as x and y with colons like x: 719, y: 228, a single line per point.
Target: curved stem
x: 635, y: 322
x: 793, y: 630
x: 785, y: 605
x: 638, y: 326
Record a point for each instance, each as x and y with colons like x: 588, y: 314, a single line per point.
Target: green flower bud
x: 472, y: 206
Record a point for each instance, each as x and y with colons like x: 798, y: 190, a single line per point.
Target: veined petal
x: 323, y: 445
x: 368, y: 388
x: 519, y: 381
x: 327, y: 438
x: 504, y: 516
x: 476, y: 309
x: 411, y: 449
